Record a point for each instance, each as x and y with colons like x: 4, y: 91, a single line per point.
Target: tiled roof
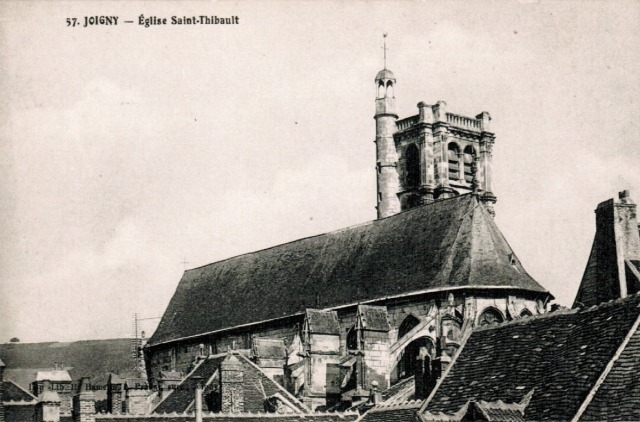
x: 405, y: 412
x: 618, y: 397
x: 13, y: 392
x: 403, y: 390
x: 257, y: 387
x: 497, y: 411
x: 480, y: 411
x: 447, y: 244
x: 559, y: 355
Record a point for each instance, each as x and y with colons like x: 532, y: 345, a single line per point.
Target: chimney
x: 232, y: 385
x: 48, y: 406
x: 84, y: 403
x: 613, y: 269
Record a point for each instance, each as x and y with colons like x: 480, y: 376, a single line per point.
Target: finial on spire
x: 384, y: 47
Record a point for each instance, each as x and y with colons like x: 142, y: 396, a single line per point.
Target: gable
x: 257, y: 387
x: 447, y: 244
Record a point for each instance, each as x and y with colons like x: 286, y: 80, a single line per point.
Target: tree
x: 15, y: 340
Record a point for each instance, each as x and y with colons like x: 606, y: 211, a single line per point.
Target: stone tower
x: 431, y: 155
x: 388, y: 202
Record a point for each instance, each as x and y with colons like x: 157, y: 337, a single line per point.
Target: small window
x: 469, y: 158
x: 352, y: 339
x: 490, y: 316
x: 453, y: 154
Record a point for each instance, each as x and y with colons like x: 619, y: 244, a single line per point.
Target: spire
x: 384, y: 48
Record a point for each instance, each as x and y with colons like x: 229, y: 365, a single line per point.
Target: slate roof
x: 257, y: 387
x: 619, y: 394
x: 374, y: 318
x: 13, y: 392
x: 560, y: 356
x: 448, y: 244
x: 322, y: 322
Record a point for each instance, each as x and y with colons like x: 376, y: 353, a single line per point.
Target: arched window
x: 490, y: 316
x: 412, y: 159
x: 469, y: 157
x: 454, y: 161
x: 390, y: 89
x: 525, y: 313
x: 381, y: 90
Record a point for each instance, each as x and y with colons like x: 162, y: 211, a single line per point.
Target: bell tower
x: 388, y: 184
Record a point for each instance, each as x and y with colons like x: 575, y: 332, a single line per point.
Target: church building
x: 332, y: 316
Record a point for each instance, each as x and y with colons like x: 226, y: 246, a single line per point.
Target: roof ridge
x: 559, y: 312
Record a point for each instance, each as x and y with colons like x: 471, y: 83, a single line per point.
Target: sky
x: 128, y: 154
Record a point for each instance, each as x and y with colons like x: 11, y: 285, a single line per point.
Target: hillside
x: 91, y: 358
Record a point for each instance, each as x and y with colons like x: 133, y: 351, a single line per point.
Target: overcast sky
x: 126, y: 150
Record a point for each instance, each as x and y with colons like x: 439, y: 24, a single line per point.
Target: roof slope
x: 449, y: 243
x: 13, y: 392
x: 560, y: 356
x: 619, y: 394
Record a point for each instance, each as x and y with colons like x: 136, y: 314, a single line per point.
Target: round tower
x: 388, y: 202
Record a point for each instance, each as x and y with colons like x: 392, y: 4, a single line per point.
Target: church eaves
x: 446, y: 245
